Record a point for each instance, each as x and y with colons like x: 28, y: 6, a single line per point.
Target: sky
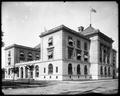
x: 23, y: 22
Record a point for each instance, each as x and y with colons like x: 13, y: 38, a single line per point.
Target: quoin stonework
x: 63, y: 54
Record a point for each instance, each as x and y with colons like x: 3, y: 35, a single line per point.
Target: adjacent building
x: 64, y: 54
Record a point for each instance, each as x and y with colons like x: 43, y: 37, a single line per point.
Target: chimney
x: 80, y: 29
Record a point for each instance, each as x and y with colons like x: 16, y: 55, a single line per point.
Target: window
x: 78, y: 54
x: 56, y: 77
x: 9, y: 60
x: 9, y: 53
x: 85, y: 56
x: 105, y: 70
x: 104, y: 56
x: 100, y: 53
x: 85, y: 46
x: 101, y: 71
x: 50, y: 41
x: 70, y: 41
x: 69, y: 68
x: 56, y: 69
x: 9, y: 71
x: 22, y: 56
x: 78, y: 44
x: 44, y: 70
x: 108, y: 58
x: 50, y: 69
x: 85, y: 70
x: 70, y: 53
x: 78, y: 69
x: 50, y: 54
x: 37, y: 57
x: 29, y: 56
x: 36, y: 71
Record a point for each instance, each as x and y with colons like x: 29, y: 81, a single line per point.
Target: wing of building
x: 63, y: 54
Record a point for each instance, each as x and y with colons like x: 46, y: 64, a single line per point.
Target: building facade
x: 64, y: 54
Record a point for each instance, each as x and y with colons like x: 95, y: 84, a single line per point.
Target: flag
x: 93, y: 10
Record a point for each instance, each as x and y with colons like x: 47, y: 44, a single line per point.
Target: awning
x: 50, y: 40
x: 85, y: 56
x: 70, y: 40
x: 50, y: 53
x: 78, y: 54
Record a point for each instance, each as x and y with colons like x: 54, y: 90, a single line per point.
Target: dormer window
x: 50, y: 41
x: 70, y: 41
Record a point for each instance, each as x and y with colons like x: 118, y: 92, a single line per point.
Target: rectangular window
x: 85, y: 46
x: 70, y: 41
x: 78, y: 44
x: 86, y: 56
x: 100, y: 53
x: 70, y: 53
x: 78, y: 54
x: 9, y: 61
x: 9, y: 53
x: 44, y: 70
x: 50, y: 41
x: 56, y: 69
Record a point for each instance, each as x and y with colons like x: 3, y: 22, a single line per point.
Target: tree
x: 31, y: 68
x: 3, y: 72
x: 14, y: 70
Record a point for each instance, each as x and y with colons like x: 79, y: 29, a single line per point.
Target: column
x: 19, y: 72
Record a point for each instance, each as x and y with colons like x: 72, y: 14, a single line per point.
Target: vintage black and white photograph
x: 59, y: 48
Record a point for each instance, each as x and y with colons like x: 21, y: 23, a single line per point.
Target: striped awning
x: 50, y: 53
x: 70, y: 40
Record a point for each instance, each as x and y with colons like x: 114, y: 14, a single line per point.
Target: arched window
x: 37, y: 57
x: 70, y: 69
x: 26, y: 72
x: 78, y: 69
x: 109, y: 71
x: 105, y: 70
x: 21, y: 72
x: 101, y: 71
x: 22, y: 56
x: 36, y: 71
x: 9, y: 71
x: 85, y: 70
x: 50, y: 69
x: 29, y: 56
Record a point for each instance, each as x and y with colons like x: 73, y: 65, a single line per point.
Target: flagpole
x: 90, y: 18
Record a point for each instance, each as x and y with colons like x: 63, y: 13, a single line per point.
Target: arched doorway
x: 21, y: 72
x: 70, y: 68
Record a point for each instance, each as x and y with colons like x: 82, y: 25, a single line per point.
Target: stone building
x: 64, y: 54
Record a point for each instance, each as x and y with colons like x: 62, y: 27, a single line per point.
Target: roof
x: 90, y: 31
x: 20, y: 46
x: 63, y: 27
x: 37, y: 46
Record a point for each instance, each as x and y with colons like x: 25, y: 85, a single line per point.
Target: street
x: 70, y: 87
